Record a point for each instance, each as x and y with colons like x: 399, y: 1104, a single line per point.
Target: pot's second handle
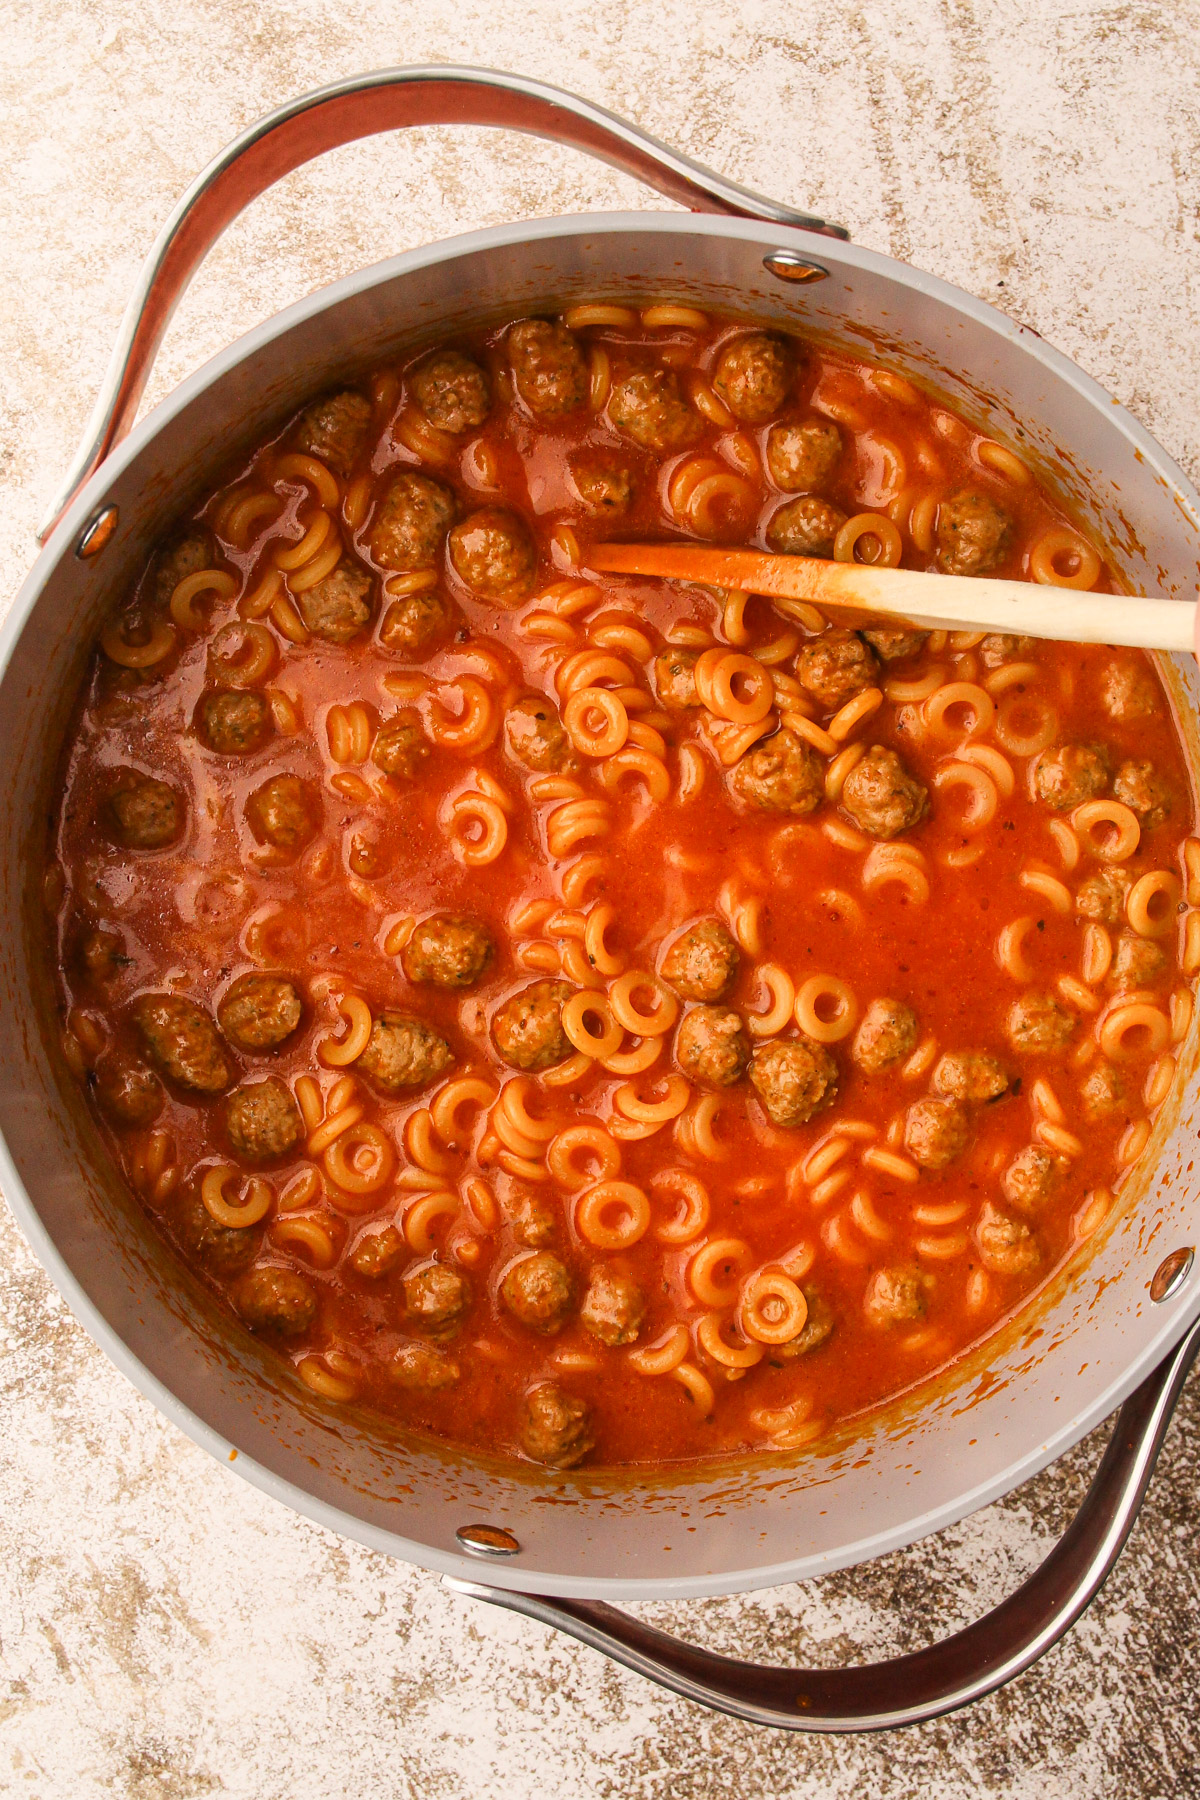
x: 929, y: 1682
x: 359, y: 107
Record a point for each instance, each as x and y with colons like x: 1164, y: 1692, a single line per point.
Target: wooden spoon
x: 1019, y: 607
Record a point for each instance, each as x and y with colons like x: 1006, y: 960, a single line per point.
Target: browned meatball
x: 423, y: 1368
x: 613, y: 1307
x: 224, y: 1250
x: 494, y: 555
x: 283, y: 812
x: 817, y: 1328
x: 276, y: 1302
x: 400, y: 745
x: 403, y: 1053
x: 337, y: 608
x: 805, y: 527
x: 803, y: 457
x: 129, y: 1092
x: 881, y: 796
x: 144, y: 814
x: 537, y: 1291
x: 702, y: 964
x: 1102, y: 895
x: 1137, y: 963
x: 101, y: 955
x: 233, y: 723
x: 556, y: 1428
x: 836, y: 666
x: 971, y: 1075
x: 675, y: 677
x: 894, y: 1297
x: 186, y: 556
x: 794, y: 1078
x: 936, y: 1132
x: 413, y: 518
x: 452, y: 391
x: 183, y: 1041
x: 377, y: 1252
x: 1070, y: 774
x: 257, y: 1012
x: 973, y: 533
x: 334, y: 430
x: 262, y: 1120
x: 1007, y: 1246
x: 753, y: 376
x: 711, y: 1046
x: 888, y: 1032
x: 549, y: 369
x: 999, y: 647
x: 893, y: 643
x: 414, y: 624
x: 648, y: 406
x: 1138, y: 786
x: 604, y: 484
x: 437, y: 1298
x: 1029, y: 1179
x: 449, y: 951
x: 527, y: 1030
x: 782, y: 774
x: 535, y: 1224
x: 1037, y: 1024
x: 534, y: 734
x: 1103, y: 1093
x: 1128, y: 692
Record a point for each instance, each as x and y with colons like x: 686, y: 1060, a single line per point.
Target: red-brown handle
x: 359, y: 107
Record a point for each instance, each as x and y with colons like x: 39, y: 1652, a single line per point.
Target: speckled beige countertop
x: 165, y: 1630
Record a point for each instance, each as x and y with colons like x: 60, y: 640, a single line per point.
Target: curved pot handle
x: 355, y: 108
x: 909, y: 1689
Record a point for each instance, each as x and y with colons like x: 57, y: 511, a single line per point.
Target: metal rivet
x: 1171, y: 1274
x: 487, y: 1540
x: 786, y: 265
x: 97, y: 532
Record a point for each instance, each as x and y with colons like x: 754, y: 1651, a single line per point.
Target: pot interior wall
x: 1009, y: 1408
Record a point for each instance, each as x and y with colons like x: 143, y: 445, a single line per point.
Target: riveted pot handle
x: 359, y: 107
x: 929, y: 1682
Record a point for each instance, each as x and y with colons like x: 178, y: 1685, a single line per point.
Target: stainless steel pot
x: 1120, y: 1326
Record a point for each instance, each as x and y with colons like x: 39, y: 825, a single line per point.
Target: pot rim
x: 61, y: 543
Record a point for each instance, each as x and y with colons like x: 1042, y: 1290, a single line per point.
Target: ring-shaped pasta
x: 423, y: 1214
x: 339, y: 1053
x: 599, y: 377
x: 576, y: 821
x: 781, y: 990
x: 577, y: 1016
x: 182, y: 604
x: 582, y: 1140
x: 703, y: 1271
x: 301, y: 1190
x: 1032, y: 737
x: 471, y: 727
x: 1134, y: 1029
x: 1096, y: 953
x: 695, y: 1129
x: 595, y: 940
x: 594, y: 1215
x: 854, y: 713
x: 823, y: 989
x: 728, y: 1356
x: 983, y: 756
x: 247, y: 510
x: 359, y: 1161
x: 630, y: 1017
x: 1054, y: 892
x: 1002, y: 461
x: 297, y: 467
x: 513, y: 1102
x: 643, y: 1056
x: 698, y: 1387
x: 588, y: 668
x: 628, y: 1102
x: 1122, y: 831
x: 651, y: 769
x: 695, y: 1207
x: 295, y: 556
x: 318, y: 567
x: 1010, y: 675
x: 600, y: 312
x: 478, y: 810
x: 253, y: 1208
x: 722, y: 669
x: 322, y: 1380
x: 772, y: 1310
x: 158, y: 645
x: 419, y: 1131
x: 663, y: 1357
x: 1051, y: 547
x: 1010, y: 949
x: 869, y: 525
x: 886, y: 865
x: 241, y: 654
x: 667, y: 316
x: 311, y: 1235
x: 612, y: 735
x: 1152, y: 903
x: 912, y: 693
x: 951, y: 696
x: 982, y: 797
